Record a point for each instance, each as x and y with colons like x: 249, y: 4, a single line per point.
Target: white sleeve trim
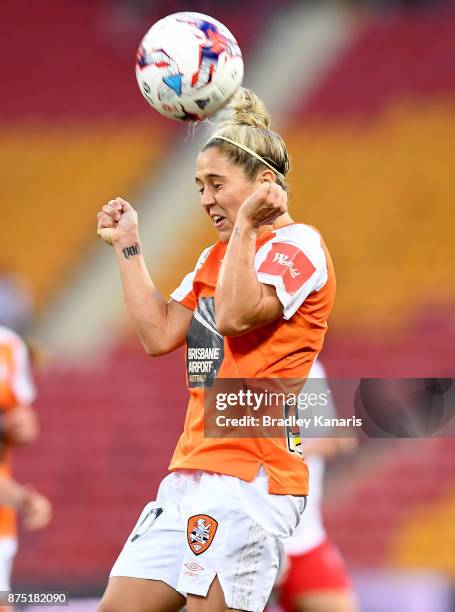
x: 186, y: 286
x: 308, y: 241
x: 22, y: 384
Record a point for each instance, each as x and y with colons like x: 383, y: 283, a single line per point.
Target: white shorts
x: 204, y: 525
x: 8, y: 549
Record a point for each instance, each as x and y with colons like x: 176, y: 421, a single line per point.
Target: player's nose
x: 207, y: 198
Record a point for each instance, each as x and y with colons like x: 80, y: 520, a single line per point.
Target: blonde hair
x: 246, y: 139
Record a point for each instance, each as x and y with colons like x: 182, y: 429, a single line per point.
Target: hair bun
x: 247, y: 109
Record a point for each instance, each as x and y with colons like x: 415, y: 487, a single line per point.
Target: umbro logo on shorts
x: 200, y: 532
x: 194, y: 567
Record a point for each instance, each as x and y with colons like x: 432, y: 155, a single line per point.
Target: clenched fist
x: 266, y: 204
x: 116, y: 220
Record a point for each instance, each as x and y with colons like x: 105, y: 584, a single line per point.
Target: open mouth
x: 218, y: 220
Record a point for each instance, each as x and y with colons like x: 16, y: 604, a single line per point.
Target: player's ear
x: 267, y: 176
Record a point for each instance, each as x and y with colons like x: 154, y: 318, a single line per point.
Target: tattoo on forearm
x: 236, y: 232
x: 132, y: 250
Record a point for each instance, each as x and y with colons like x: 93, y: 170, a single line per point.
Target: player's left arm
x: 242, y: 303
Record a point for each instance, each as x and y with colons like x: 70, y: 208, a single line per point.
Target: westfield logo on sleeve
x: 290, y: 263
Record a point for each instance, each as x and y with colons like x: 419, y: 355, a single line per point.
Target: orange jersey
x: 16, y: 388
x: 16, y: 384
x: 296, y: 262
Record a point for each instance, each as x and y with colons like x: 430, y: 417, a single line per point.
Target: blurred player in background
x: 256, y: 306
x: 315, y: 578
x: 16, y: 304
x: 18, y: 426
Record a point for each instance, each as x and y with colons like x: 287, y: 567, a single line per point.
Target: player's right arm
x: 161, y: 326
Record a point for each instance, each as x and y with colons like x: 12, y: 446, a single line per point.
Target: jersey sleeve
x: 15, y: 373
x: 22, y: 383
x: 184, y: 292
x: 294, y: 262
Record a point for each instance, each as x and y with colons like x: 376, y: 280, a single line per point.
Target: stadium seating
x: 48, y: 225
x: 77, y: 113
x: 396, y: 514
x: 372, y: 159
x: 105, y: 446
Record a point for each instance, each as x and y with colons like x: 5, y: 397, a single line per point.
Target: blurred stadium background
x: 364, y: 94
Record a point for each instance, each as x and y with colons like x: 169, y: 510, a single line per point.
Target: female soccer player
x: 255, y: 306
x: 18, y: 427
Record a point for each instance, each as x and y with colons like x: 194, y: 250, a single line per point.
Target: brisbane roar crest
x: 200, y: 532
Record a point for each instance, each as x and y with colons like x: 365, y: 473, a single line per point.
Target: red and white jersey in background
x: 310, y: 531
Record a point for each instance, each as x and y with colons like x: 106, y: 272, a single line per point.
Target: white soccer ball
x: 188, y: 66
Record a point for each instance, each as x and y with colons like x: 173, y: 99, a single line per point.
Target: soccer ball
x: 188, y: 66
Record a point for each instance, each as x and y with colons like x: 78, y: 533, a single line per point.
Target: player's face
x: 223, y: 187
